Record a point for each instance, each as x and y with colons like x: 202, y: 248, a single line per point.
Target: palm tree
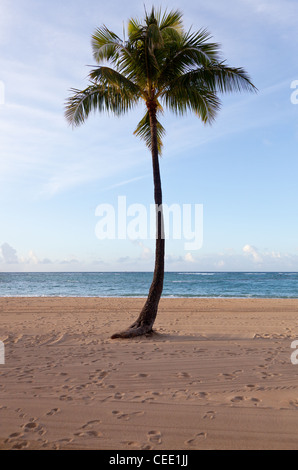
x: 159, y: 64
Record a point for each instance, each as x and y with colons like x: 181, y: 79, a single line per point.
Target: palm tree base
x: 136, y: 329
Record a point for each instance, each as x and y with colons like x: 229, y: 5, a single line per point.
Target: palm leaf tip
x: 172, y: 20
x: 105, y: 44
x: 71, y: 106
x: 230, y: 79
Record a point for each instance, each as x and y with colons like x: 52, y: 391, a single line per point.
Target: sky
x: 242, y: 170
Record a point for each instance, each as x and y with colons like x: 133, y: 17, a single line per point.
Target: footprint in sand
x: 90, y: 433
x: 201, y: 436
x: 266, y: 375
x: 251, y: 386
x: 33, y: 426
x: 135, y: 444
x: 14, y: 435
x: 209, y: 415
x: 240, y: 398
x: 102, y: 374
x: 126, y: 416
x: 255, y: 400
x: 148, y: 400
x: 99, y: 375
x: 202, y: 394
x: 89, y: 429
x: 154, y: 437
x: 63, y: 442
x: 231, y: 376
x: 20, y: 445
x: 53, y: 411
x: 65, y: 398
x: 183, y: 375
x: 294, y: 403
x: 22, y: 414
x: 227, y: 376
x: 91, y: 423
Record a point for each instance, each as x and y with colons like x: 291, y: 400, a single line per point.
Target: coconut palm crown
x: 165, y: 67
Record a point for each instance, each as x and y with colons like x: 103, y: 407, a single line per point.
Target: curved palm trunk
x: 145, y: 321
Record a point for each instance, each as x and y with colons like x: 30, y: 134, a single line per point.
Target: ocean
x: 136, y: 284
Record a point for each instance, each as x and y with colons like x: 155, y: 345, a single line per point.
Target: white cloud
x: 252, y: 251
x: 146, y: 253
x: 32, y: 258
x: 9, y: 254
x: 31, y: 261
x: 173, y: 259
x: 124, y: 183
x: 189, y: 258
x: 249, y: 258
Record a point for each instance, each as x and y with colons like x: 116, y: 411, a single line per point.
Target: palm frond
x: 225, y: 79
x: 218, y: 77
x: 143, y: 131
x: 169, y: 24
x: 110, y: 76
x: 106, y: 45
x: 186, y: 53
x: 185, y: 96
x: 201, y: 42
x: 134, y: 29
x: 96, y: 97
x: 173, y: 20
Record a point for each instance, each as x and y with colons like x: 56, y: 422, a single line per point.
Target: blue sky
x: 243, y: 168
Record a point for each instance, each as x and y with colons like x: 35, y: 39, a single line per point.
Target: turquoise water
x: 136, y: 284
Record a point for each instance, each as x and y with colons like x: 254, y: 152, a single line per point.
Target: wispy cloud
x: 125, y: 182
x: 9, y: 254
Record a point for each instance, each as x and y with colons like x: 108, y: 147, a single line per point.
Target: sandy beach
x: 217, y: 375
